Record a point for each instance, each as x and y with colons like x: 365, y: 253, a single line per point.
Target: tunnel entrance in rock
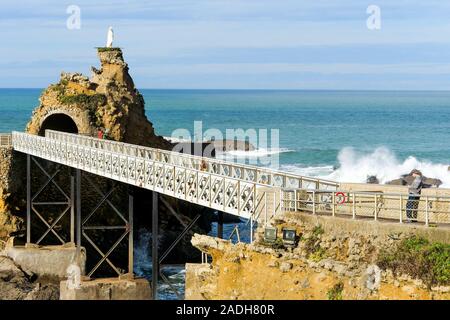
x: 58, y: 122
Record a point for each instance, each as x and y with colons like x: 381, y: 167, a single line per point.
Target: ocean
x: 337, y: 135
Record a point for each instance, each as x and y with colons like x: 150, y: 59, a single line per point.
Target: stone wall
x: 334, y: 259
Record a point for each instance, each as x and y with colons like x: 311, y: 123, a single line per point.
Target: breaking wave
x: 354, y: 166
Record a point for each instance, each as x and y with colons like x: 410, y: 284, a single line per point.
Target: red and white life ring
x: 342, y: 196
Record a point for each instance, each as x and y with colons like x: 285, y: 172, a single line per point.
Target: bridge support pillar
x: 155, y: 258
x: 37, y: 208
x: 220, y: 225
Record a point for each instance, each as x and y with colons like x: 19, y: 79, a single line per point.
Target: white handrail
x: 401, y: 207
x: 5, y: 139
x: 228, y: 194
x: 251, y: 173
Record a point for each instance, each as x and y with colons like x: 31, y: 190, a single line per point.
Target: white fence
x: 5, y: 139
x: 429, y: 210
x: 247, y: 173
x: 227, y: 194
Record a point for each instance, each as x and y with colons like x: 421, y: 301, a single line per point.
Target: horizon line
x: 260, y: 89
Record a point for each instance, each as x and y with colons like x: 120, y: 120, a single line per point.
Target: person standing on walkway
x: 415, y: 189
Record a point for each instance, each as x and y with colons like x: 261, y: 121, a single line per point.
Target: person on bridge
x: 415, y: 189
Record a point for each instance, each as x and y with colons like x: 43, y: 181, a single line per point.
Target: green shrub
x: 335, y: 293
x: 84, y: 99
x: 312, y: 246
x: 107, y: 49
x: 419, y: 258
x: 318, y: 255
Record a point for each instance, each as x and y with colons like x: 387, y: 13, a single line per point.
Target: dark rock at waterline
x: 407, y: 179
x: 372, y: 180
x: 232, y: 145
x: 16, y: 284
x: 227, y: 218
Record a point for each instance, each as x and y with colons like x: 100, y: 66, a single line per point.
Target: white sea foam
x: 319, y: 171
x: 177, y: 140
x: 355, y: 166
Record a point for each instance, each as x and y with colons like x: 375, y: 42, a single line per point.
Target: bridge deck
x: 228, y: 187
x: 242, y: 190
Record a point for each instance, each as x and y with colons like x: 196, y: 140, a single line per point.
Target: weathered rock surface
x: 108, y: 101
x: 15, y: 284
x: 326, y: 263
x: 232, y: 145
x: 408, y: 179
x: 9, y: 220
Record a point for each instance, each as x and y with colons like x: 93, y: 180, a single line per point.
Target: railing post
x: 376, y: 208
x: 197, y: 187
x: 239, y: 196
x: 72, y: 207
x: 224, y: 195
x: 354, y: 206
x: 251, y: 229
x: 155, y: 258
x: 78, y: 210
x: 295, y: 201
x: 333, y: 212
x: 427, y: 218
x: 401, y: 208
x: 314, y: 201
x: 130, y: 232
x: 28, y: 198
x: 265, y: 204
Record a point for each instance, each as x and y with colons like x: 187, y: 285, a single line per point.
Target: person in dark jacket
x: 415, y: 189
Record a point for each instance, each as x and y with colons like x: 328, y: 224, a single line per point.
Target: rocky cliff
x: 108, y: 101
x: 331, y: 260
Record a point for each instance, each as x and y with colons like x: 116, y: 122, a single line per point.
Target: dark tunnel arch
x: 58, y: 122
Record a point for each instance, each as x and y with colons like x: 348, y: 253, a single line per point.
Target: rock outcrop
x: 16, y: 284
x: 10, y: 221
x: 408, y: 179
x: 108, y: 101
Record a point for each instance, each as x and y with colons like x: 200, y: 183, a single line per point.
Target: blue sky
x: 254, y: 44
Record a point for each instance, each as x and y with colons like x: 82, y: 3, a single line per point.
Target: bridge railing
x: 216, y: 191
x: 248, y: 173
x: 429, y: 210
x: 5, y: 140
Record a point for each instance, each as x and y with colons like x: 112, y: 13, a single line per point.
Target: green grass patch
x: 107, y: 49
x: 419, y: 258
x: 335, y: 293
x: 312, y: 245
x: 84, y: 99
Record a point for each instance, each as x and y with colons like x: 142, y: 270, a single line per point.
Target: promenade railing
x: 5, y: 140
x: 429, y: 210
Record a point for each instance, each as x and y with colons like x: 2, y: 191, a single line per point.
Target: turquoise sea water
x: 341, y: 135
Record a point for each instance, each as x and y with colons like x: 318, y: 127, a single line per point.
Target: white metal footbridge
x: 229, y: 187
x: 241, y: 190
